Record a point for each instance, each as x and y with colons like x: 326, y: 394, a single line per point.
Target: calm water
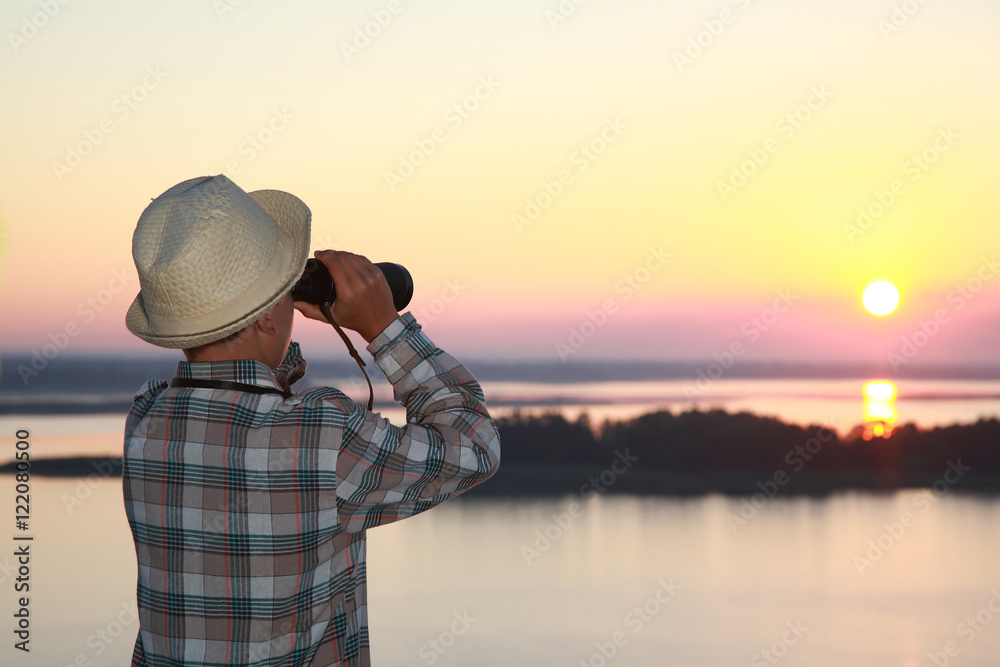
x: 649, y: 581
x: 854, y: 579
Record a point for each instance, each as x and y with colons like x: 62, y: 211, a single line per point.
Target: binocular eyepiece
x: 316, y: 284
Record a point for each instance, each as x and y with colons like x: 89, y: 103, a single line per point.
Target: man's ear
x: 265, y: 324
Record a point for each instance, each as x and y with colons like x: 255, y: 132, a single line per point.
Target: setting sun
x: 880, y: 298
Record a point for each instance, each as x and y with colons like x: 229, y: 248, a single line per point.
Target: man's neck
x: 225, y: 352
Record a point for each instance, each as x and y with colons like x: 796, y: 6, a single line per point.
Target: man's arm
x: 449, y: 444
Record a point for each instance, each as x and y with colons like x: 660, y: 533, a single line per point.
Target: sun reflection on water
x: 879, y: 409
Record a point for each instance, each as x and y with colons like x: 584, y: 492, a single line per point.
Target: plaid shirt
x: 249, y: 511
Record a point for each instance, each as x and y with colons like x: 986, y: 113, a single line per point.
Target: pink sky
x: 539, y: 168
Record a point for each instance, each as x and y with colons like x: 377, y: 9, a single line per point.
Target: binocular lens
x: 316, y: 284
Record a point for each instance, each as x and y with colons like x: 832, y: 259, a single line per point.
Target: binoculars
x: 316, y: 284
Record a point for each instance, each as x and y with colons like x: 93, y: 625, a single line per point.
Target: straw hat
x: 212, y: 259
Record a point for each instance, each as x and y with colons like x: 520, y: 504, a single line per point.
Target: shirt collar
x: 246, y: 371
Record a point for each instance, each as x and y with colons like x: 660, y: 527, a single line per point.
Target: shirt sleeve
x: 449, y: 444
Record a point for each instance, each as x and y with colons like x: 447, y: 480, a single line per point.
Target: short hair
x: 223, y: 341
x: 233, y: 336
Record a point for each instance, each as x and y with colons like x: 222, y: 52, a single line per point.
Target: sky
x: 684, y: 180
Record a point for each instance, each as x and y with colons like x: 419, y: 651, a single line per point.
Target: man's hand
x: 364, y: 301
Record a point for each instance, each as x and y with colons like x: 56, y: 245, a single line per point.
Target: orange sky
x: 644, y: 180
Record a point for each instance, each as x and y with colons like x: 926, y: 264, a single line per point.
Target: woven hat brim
x: 294, y: 217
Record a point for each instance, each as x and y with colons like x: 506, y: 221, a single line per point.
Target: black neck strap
x: 231, y: 386
x: 257, y: 389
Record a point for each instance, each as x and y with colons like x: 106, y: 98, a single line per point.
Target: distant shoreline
x: 696, y: 452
